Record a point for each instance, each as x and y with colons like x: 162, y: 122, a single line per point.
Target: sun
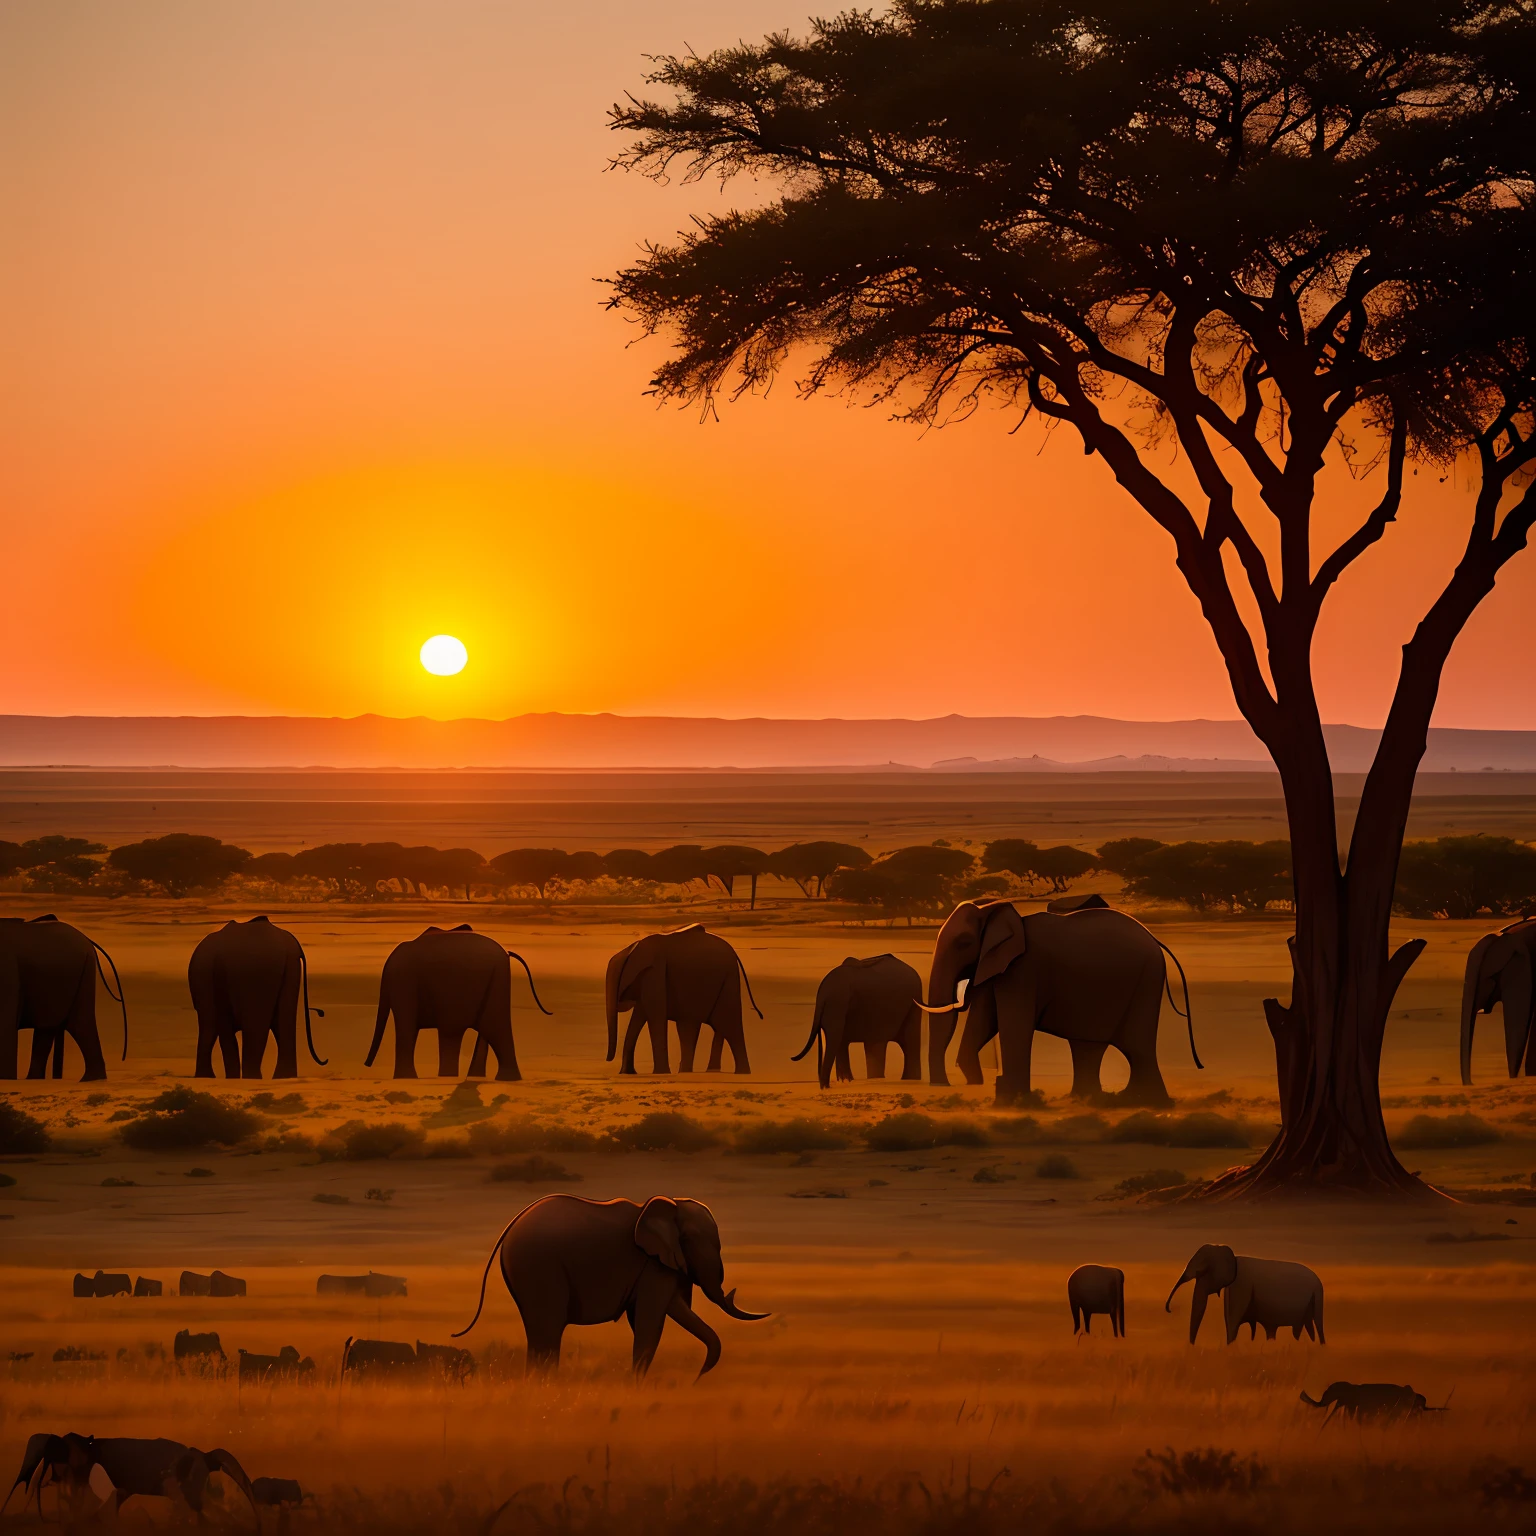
x: 443, y: 656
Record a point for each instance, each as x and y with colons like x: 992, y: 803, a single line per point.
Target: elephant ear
x: 1002, y: 941
x: 1223, y: 1269
x: 639, y: 959
x: 658, y: 1234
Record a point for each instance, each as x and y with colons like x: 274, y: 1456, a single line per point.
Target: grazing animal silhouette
x: 153, y: 1468
x: 1096, y: 1288
x: 1379, y: 1400
x: 360, y: 1285
x: 102, y: 1284
x: 265, y: 1367
x: 198, y: 1346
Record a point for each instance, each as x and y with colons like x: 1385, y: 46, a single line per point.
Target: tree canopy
x: 1271, y: 237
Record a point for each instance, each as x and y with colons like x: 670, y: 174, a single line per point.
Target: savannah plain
x: 919, y: 1370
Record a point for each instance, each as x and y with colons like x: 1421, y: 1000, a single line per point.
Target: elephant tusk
x: 945, y: 1008
x: 728, y: 1306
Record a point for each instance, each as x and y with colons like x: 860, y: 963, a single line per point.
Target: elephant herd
x: 1080, y: 970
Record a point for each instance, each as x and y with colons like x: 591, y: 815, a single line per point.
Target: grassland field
x: 919, y: 1370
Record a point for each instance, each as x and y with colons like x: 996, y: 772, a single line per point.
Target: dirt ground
x: 919, y: 1337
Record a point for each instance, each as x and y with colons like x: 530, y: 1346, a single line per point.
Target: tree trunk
x: 1328, y: 1039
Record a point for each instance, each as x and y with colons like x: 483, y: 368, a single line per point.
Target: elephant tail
x: 486, y: 1277
x: 513, y: 954
x: 1187, y: 1013
x: 755, y: 1009
x: 811, y: 1040
x: 309, y: 1033
x: 383, y: 1019
x: 117, y: 997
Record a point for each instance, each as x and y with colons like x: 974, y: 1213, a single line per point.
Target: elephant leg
x: 449, y: 1042
x: 37, y: 1063
x: 506, y: 1056
x: 1015, y: 1048
x: 203, y: 1062
x: 725, y: 1020
x: 661, y: 1046
x: 648, y: 1315
x: 941, y: 1030
x: 980, y: 1027
x: 1138, y: 1040
x: 229, y: 1049
x: 1077, y: 1318
x: 58, y: 1053
x: 910, y: 1038
x: 284, y: 1022
x: 631, y: 1035
x: 874, y: 1057
x: 253, y: 1051
x: 1087, y: 1057
x: 844, y: 1064
x: 480, y: 1056
x: 10, y: 1016
x: 544, y: 1308
x: 80, y: 1022
x: 688, y: 1045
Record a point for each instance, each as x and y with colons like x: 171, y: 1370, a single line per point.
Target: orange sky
x: 304, y: 361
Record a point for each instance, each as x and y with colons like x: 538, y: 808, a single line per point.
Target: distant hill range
x: 951, y: 744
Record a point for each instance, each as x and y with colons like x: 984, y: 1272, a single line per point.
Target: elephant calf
x: 360, y: 1285
x: 276, y: 1492
x: 144, y: 1286
x: 1380, y: 1400
x: 1096, y: 1288
x: 1264, y: 1293
x: 573, y: 1262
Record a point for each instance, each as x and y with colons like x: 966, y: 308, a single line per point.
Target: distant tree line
x: 1450, y: 877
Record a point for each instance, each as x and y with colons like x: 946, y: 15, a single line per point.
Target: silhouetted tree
x: 1234, y: 876
x: 537, y: 867
x: 629, y: 864
x: 1055, y: 868
x: 180, y: 862
x: 1465, y: 876
x: 729, y: 860
x: 1124, y: 855
x: 53, y: 863
x: 679, y: 865
x: 276, y: 867
x: 805, y: 862
x: 1267, y: 232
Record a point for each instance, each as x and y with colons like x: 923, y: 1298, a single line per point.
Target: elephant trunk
x: 611, y: 1002
x: 685, y: 1317
x: 1470, y: 988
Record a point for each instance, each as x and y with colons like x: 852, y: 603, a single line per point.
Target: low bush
x: 325, y: 1197
x: 1056, y: 1165
x: 20, y: 1132
x: 528, y: 1136
x: 7, y: 1182
x: 910, y: 1131
x: 272, y: 1104
x: 1434, y: 1133
x: 357, y: 1141
x: 288, y: 1141
x: 181, y: 1119
x: 1207, y: 1471
x: 533, y: 1170
x: 665, y: 1131
x: 800, y: 1135
x: 1200, y: 1129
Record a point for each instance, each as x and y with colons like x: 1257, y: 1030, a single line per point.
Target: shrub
x: 805, y: 862
x: 20, y: 1132
x: 1232, y: 876
x: 798, y: 1135
x: 533, y: 1170
x: 288, y: 1141
x: 357, y: 1141
x: 1207, y: 1471
x: 1056, y: 1165
x: 179, y: 862
x: 1438, y: 1133
x: 199, y: 1173
x: 1462, y: 876
x: 382, y: 1196
x: 910, y: 1131
x: 1124, y: 855
x: 325, y: 1197
x: 94, y: 1099
x: 181, y: 1119
x: 272, y: 1104
x: 665, y: 1131
x: 1201, y: 1129
x: 1054, y: 868
x: 1146, y: 1183
x: 528, y: 1136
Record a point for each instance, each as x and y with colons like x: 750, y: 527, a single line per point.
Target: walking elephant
x: 1500, y: 968
x: 872, y: 1003
x: 1096, y: 1288
x: 1094, y: 977
x: 246, y: 980
x: 452, y: 980
x: 570, y: 1262
x: 1264, y: 1293
x: 688, y: 976
x: 48, y: 973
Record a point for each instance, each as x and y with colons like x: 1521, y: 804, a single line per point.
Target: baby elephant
x: 1264, y: 1293
x: 204, y: 1348
x: 276, y: 1492
x: 1095, y: 1288
x: 1379, y: 1400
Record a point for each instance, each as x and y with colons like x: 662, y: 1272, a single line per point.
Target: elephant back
x: 51, y: 959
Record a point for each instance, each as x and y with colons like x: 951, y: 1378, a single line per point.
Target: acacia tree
x: 1274, y: 234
